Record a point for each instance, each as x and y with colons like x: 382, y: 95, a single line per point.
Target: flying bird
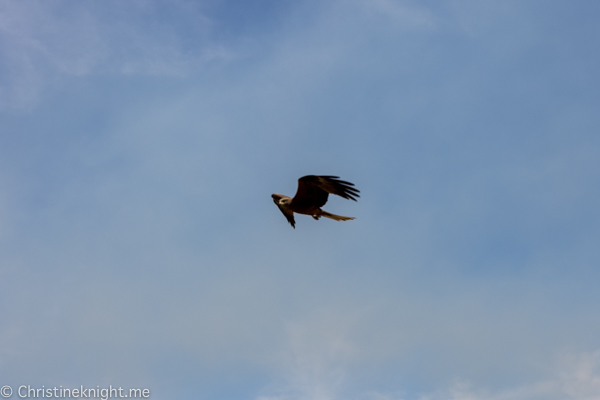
x: 312, y: 194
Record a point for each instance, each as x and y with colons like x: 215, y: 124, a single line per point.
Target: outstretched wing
x: 313, y: 190
x: 289, y: 215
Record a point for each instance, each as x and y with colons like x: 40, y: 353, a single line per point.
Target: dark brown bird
x: 312, y: 194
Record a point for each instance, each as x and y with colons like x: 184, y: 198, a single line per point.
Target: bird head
x: 280, y: 199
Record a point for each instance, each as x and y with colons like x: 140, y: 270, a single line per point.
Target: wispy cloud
x: 318, y: 374
x: 41, y: 42
x: 575, y: 377
x: 314, y: 364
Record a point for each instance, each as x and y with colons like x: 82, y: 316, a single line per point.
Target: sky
x: 140, y: 142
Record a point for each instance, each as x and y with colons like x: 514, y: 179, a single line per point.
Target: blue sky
x: 140, y: 142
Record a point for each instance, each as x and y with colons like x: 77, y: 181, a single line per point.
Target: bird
x: 312, y: 194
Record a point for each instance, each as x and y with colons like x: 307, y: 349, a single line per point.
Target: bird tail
x: 335, y: 217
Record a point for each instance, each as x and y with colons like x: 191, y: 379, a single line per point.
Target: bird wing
x: 313, y: 190
x: 289, y: 215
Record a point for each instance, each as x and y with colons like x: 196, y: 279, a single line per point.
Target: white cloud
x: 323, y: 351
x: 576, y: 377
x: 42, y: 41
x: 319, y: 374
x: 314, y: 363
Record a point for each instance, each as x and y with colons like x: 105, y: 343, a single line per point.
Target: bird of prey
x: 312, y: 194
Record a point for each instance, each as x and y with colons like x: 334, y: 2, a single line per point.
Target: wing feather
x: 314, y: 190
x: 288, y: 215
